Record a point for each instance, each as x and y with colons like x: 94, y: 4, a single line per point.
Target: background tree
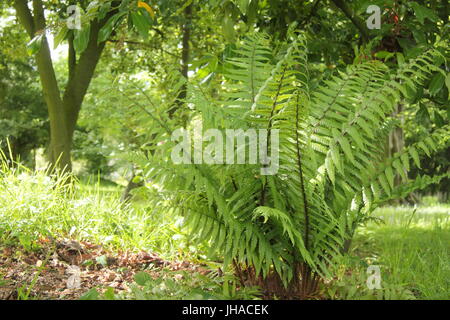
x: 24, y: 118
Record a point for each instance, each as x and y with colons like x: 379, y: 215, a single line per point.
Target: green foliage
x: 138, y: 14
x: 89, y: 147
x: 23, y: 122
x: 333, y: 170
x: 35, y: 44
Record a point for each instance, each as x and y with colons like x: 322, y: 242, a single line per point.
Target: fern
x: 290, y: 227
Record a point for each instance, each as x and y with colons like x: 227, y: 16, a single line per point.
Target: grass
x: 412, y: 246
x: 32, y: 205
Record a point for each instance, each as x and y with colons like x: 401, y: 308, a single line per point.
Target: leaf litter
x: 66, y: 269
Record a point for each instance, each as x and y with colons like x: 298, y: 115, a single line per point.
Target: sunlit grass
x: 33, y: 205
x: 412, y: 247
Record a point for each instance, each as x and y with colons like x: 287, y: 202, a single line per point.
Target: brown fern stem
x: 300, y: 172
x: 269, y: 129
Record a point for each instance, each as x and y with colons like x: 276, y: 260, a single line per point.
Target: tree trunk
x: 60, y: 143
x: 63, y: 112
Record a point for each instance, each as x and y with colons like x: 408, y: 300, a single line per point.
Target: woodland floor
x: 44, y: 274
x: 411, y: 246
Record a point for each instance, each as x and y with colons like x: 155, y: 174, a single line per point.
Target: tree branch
x: 39, y: 17
x: 25, y: 17
x: 359, y: 24
x: 82, y: 73
x: 43, y: 57
x: 72, y: 59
